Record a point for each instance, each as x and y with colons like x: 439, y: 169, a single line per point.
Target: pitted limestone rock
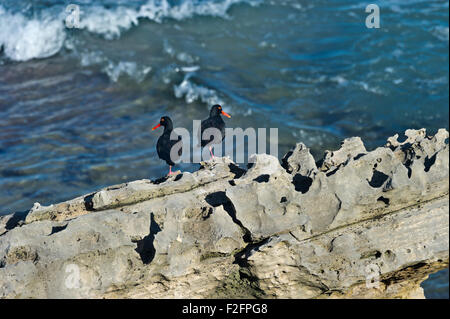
x: 271, y: 231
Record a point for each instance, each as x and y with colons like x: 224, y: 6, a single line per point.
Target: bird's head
x: 164, y: 121
x: 217, y: 110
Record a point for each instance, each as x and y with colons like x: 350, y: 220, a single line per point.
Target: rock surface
x: 356, y: 224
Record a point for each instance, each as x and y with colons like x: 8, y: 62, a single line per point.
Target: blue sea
x: 77, y: 103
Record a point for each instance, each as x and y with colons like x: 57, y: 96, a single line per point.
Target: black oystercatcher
x: 165, y: 144
x: 213, y: 121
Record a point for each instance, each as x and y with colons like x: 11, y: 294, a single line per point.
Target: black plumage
x: 213, y: 121
x: 165, y: 144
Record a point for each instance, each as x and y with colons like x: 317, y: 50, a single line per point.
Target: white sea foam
x: 157, y: 10
x: 111, y: 22
x: 366, y: 87
x: 339, y: 80
x: 188, y: 69
x: 92, y: 58
x: 193, y: 92
x: 114, y: 71
x: 108, y: 22
x: 24, y: 38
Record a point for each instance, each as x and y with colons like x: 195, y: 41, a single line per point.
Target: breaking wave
x: 23, y: 38
x: 193, y: 92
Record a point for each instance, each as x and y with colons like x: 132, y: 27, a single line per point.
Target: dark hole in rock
x: 145, y: 247
x: 419, y: 265
x: 220, y: 198
x: 406, y: 148
x: 206, y: 212
x: 216, y: 199
x: 408, y: 164
x: 57, y: 229
x: 390, y: 256
x: 284, y: 161
x: 429, y: 162
x: 88, y: 204
x: 232, y: 182
x: 332, y: 172
x: 383, y: 199
x: 283, y: 199
x: 231, y: 210
x: 357, y: 157
x: 369, y: 254
x: 319, y: 163
x: 241, y: 258
x: 236, y: 170
x: 402, y: 137
x: 16, y: 219
x: 301, y: 183
x: 264, y: 178
x: 160, y: 180
x: 178, y: 177
x: 378, y: 179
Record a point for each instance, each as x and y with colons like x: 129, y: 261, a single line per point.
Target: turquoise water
x: 77, y: 105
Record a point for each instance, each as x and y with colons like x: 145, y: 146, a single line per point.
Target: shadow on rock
x: 17, y: 219
x: 145, y: 247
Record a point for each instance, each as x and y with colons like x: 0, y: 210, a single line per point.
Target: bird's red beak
x: 156, y: 126
x: 227, y: 115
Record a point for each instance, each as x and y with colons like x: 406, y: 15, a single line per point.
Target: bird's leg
x: 170, y: 170
x: 210, y: 151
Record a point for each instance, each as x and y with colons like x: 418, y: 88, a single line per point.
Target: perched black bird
x: 165, y: 144
x: 213, y: 121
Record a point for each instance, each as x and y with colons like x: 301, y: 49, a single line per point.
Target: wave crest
x: 24, y: 38
x: 193, y: 92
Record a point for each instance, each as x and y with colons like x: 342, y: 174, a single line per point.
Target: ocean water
x: 77, y: 104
